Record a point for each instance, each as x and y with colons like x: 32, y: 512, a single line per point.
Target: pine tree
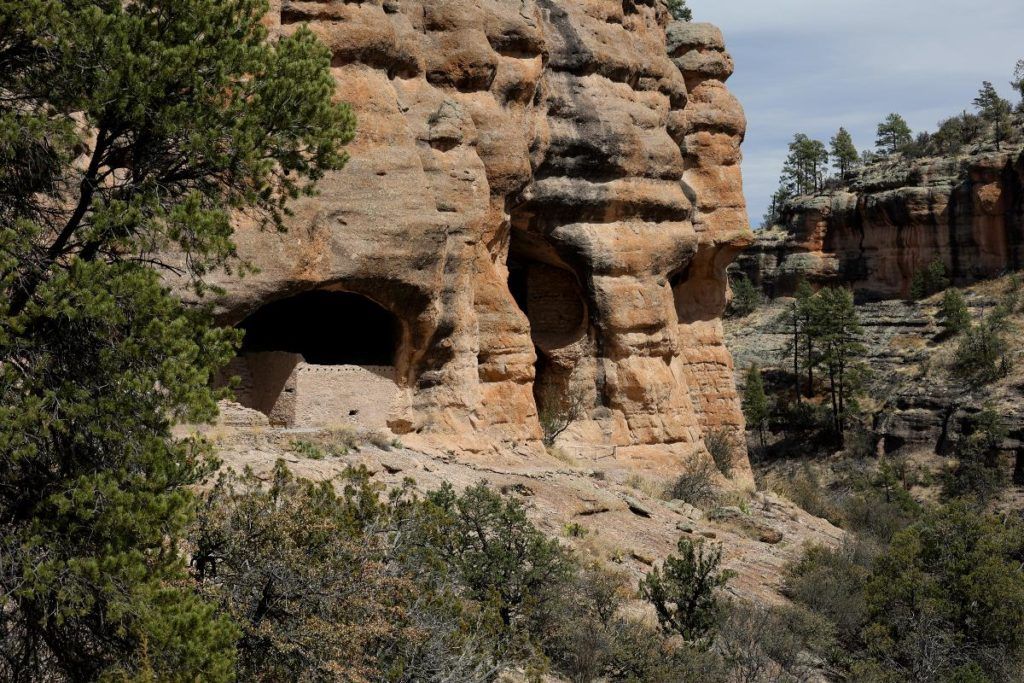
x: 756, y: 408
x: 679, y: 10
x: 844, y: 153
x: 1018, y: 79
x: 128, y: 131
x: 804, y: 170
x: 684, y: 591
x: 929, y: 280
x: 773, y: 215
x: 994, y: 109
x: 954, y: 313
x: 837, y: 332
x: 808, y: 316
x: 746, y: 297
x: 794, y: 323
x: 893, y: 134
x: 951, y: 135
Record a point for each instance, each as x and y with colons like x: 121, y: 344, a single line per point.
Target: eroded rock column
x: 545, y: 194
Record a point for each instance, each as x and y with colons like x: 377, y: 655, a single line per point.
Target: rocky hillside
x: 913, y: 401
x: 611, y: 511
x: 543, y: 198
x: 893, y: 217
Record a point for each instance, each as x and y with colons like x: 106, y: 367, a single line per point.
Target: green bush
x: 880, y: 505
x: 948, y: 597
x: 978, y: 472
x: 641, y: 654
x: 576, y: 530
x: 810, y: 427
x: 576, y: 622
x: 929, y: 280
x: 756, y: 408
x: 307, y: 449
x: 831, y: 583
x: 981, y: 357
x: 772, y: 644
x: 746, y: 297
x: 953, y: 312
x: 684, y: 591
x: 359, y: 585
x: 679, y: 10
x: 327, y: 585
x: 495, y: 551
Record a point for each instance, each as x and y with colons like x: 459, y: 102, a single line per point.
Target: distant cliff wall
x: 893, y: 220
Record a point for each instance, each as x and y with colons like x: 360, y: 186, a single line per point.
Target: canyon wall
x: 892, y: 220
x: 545, y: 195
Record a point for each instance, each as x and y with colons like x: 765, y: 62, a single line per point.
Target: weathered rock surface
x: 622, y: 525
x: 893, y: 219
x: 915, y: 403
x: 545, y: 195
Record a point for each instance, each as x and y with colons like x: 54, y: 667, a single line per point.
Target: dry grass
x: 561, y: 455
x: 382, y: 439
x: 908, y: 342
x: 648, y: 487
x: 804, y: 489
x: 698, y: 485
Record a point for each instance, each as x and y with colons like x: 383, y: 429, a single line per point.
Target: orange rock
x: 542, y: 194
x: 895, y: 219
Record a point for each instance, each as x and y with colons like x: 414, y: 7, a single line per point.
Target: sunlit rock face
x: 544, y: 194
x: 967, y: 212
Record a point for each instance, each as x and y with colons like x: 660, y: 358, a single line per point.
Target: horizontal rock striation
x: 545, y: 195
x: 892, y: 221
x: 914, y: 403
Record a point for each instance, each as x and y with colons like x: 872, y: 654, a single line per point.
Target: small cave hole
x: 553, y: 303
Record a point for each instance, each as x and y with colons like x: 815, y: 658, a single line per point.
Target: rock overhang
x: 589, y: 136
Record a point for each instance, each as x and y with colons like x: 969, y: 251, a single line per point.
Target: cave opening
x: 325, y: 328
x: 552, y: 300
x: 319, y: 358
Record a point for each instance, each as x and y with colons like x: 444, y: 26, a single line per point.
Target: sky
x: 812, y: 66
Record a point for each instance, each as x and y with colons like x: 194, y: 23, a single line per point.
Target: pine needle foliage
x: 132, y: 136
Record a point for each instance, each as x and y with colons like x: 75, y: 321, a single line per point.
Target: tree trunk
x: 796, y: 356
x: 810, y: 366
x: 835, y: 403
x: 842, y: 393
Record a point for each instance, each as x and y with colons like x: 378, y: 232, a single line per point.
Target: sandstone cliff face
x: 892, y: 222
x: 544, y: 194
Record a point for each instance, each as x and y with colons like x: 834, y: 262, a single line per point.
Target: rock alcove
x: 319, y: 358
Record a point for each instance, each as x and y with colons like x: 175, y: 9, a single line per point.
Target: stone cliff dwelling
x: 319, y: 358
x: 540, y: 204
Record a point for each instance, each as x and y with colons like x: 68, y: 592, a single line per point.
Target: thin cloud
x: 814, y: 65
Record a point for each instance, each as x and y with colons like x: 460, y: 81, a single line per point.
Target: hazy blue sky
x: 813, y: 65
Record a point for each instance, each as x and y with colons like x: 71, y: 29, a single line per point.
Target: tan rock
x: 542, y: 194
x: 896, y: 219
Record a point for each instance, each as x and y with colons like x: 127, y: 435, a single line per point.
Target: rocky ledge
x: 893, y: 218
